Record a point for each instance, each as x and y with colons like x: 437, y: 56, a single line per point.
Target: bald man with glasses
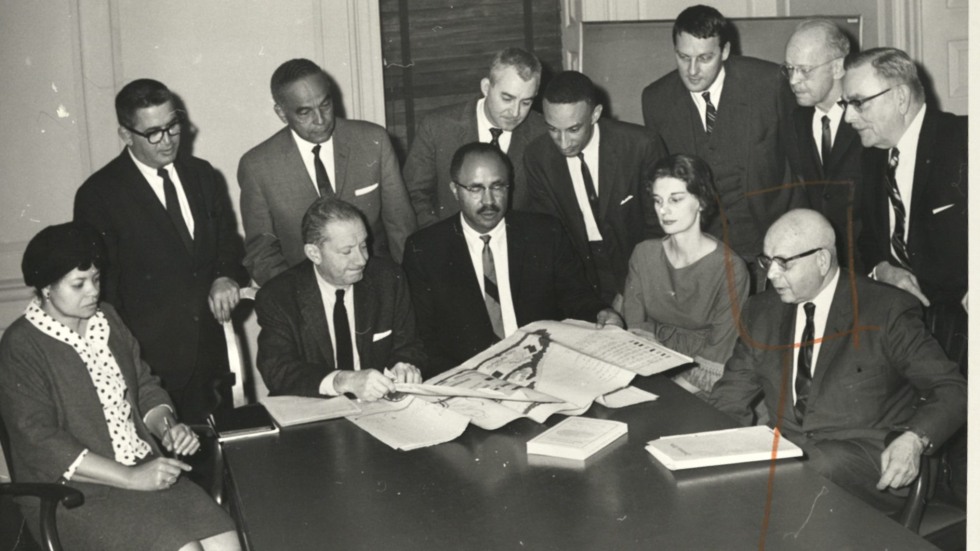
x: 846, y: 368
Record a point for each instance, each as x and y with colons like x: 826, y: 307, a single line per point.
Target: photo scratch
x: 823, y: 491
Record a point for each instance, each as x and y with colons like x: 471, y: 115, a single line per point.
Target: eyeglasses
x: 765, y: 262
x: 858, y: 104
x: 802, y: 70
x: 155, y: 135
x: 479, y: 189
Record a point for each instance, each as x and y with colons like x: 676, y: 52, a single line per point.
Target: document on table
x: 296, y: 410
x: 626, y: 397
x: 409, y: 423
x: 614, y: 345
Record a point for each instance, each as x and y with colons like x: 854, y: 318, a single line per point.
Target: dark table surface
x: 332, y: 485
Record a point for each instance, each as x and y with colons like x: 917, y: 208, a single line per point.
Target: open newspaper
x: 545, y: 367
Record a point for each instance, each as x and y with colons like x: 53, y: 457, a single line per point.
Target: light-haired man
x: 503, y: 116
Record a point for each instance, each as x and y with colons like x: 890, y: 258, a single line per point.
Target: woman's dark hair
x: 57, y: 250
x: 696, y: 174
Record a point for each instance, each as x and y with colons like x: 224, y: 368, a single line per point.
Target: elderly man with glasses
x: 174, y: 256
x: 824, y: 152
x: 846, y: 367
x: 476, y: 277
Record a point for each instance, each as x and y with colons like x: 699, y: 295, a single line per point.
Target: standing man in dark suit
x: 502, y: 116
x: 477, y: 277
x: 300, y: 351
x: 727, y: 111
x: 824, y: 151
x: 590, y: 174
x: 315, y: 155
x: 847, y: 368
x: 174, y: 258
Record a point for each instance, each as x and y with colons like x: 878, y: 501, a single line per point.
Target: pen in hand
x: 166, y: 434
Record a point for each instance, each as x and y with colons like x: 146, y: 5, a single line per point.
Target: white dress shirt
x: 715, y: 91
x: 156, y: 184
x: 821, y: 311
x: 501, y: 264
x: 483, y: 126
x: 328, y: 294
x: 905, y: 172
x: 591, y: 153
x: 326, y: 157
x: 835, y: 114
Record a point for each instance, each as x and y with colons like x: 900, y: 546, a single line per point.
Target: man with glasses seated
x: 475, y: 278
x: 824, y: 152
x: 846, y: 367
x: 174, y: 255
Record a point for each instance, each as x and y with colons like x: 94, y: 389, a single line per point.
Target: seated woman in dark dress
x: 686, y: 289
x: 81, y: 407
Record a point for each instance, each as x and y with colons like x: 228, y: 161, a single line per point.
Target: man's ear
x: 125, y: 135
x: 313, y: 253
x: 281, y: 113
x: 485, y: 86
x: 596, y: 113
x: 904, y: 98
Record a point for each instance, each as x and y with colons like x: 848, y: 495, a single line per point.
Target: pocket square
x: 624, y: 201
x: 937, y: 210
x: 365, y: 190
x: 378, y: 336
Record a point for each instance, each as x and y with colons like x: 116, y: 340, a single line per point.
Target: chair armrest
x: 50, y: 495
x: 208, y: 462
x: 922, y: 488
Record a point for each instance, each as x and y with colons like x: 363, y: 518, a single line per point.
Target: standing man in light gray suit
x: 317, y: 154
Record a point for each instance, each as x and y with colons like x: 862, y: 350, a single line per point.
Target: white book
x: 298, y: 410
x: 576, y: 438
x: 721, y: 447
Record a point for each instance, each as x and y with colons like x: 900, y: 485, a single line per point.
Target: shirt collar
x: 146, y: 170
x: 591, y: 149
x: 497, y: 234
x: 327, y: 288
x: 300, y: 142
x: 715, y: 88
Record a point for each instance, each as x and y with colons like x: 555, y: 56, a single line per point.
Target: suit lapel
x: 810, y: 155
x: 459, y: 250
x: 564, y: 193
x: 515, y: 260
x: 923, y: 164
x: 365, y: 313
x: 842, y: 143
x: 142, y: 195
x: 291, y: 171
x: 838, y: 333
x: 314, y: 318
x: 610, y: 180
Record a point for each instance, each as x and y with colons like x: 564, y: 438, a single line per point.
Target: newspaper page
x: 409, y: 423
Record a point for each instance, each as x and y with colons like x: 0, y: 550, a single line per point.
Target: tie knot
x: 340, y: 292
x: 808, y: 308
x: 825, y: 120
x: 496, y: 132
x: 893, y: 157
x: 707, y: 97
x: 581, y: 156
x: 162, y: 172
x: 316, y: 150
x: 486, y: 240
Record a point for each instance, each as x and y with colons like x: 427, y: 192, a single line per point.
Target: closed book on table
x: 722, y: 447
x: 576, y: 438
x: 243, y: 422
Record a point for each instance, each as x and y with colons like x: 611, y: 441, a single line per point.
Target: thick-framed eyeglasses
x: 479, y: 189
x: 858, y: 104
x: 155, y: 135
x: 802, y: 70
x: 765, y: 262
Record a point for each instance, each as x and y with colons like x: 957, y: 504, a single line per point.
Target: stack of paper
x: 722, y: 447
x: 576, y: 438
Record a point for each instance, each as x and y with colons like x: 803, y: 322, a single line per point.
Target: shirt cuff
x: 74, y: 465
x: 326, y: 385
x: 147, y: 416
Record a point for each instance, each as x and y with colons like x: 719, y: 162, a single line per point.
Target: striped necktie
x: 899, y: 246
x: 710, y: 113
x: 491, y: 295
x: 804, y: 363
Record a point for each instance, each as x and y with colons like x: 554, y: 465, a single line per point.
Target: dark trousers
x: 855, y: 465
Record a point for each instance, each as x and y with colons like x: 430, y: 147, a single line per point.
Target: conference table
x: 330, y: 485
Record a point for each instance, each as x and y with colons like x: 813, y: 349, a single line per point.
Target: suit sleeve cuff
x: 326, y: 385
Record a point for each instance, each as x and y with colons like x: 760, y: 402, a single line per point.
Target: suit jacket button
x: 809, y: 434
x: 826, y: 196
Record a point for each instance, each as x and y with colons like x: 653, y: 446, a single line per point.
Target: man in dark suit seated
x: 477, y: 277
x: 824, y: 151
x: 315, y: 155
x: 841, y: 365
x: 727, y: 111
x: 369, y: 341
x: 174, y: 256
x: 590, y: 173
x: 503, y: 116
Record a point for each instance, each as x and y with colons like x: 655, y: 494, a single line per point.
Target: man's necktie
x: 322, y: 178
x: 590, y: 188
x: 804, y: 363
x: 495, y: 137
x: 491, y: 295
x: 341, y: 332
x: 825, y: 140
x: 710, y: 113
x: 898, y: 235
x: 173, y: 210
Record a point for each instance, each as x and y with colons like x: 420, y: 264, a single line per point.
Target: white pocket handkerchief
x: 937, y: 210
x: 365, y: 190
x: 624, y: 201
x: 379, y: 336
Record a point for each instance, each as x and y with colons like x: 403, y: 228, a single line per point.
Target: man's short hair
x: 291, y: 71
x: 836, y: 41
x: 323, y: 211
x: 702, y: 22
x: 570, y: 87
x: 478, y: 148
x: 139, y: 94
x: 525, y: 63
x: 891, y: 64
